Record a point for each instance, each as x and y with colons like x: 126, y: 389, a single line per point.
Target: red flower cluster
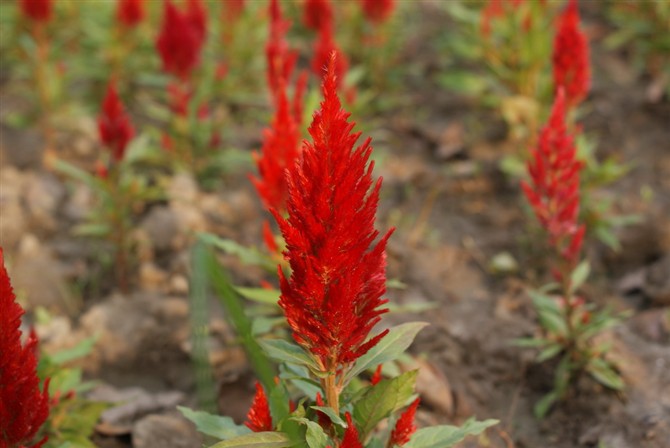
x: 571, y: 57
x: 280, y: 58
x: 318, y: 14
x: 23, y: 407
x: 259, y: 418
x: 332, y: 298
x: 350, y: 439
x: 37, y: 10
x: 404, y: 427
x: 554, y: 189
x: 114, y: 125
x: 182, y: 37
x: 378, y: 11
x: 130, y: 13
x: 323, y: 49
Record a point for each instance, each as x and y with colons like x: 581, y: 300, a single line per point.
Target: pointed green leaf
x: 542, y: 407
x: 331, y: 415
x: 398, y: 339
x: 260, y: 295
x: 285, y: 351
x: 214, y: 425
x: 257, y: 440
x: 579, y: 275
x: 605, y: 374
x: 445, y: 436
x: 315, y: 436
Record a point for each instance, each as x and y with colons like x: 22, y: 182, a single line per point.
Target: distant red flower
x: 232, y: 10
x: 404, y: 427
x: 23, y: 407
x: 332, y: 298
x: 317, y: 14
x: 350, y: 439
x: 37, y: 10
x: 130, y: 12
x: 280, y: 150
x: 322, y: 418
x: 181, y: 38
x: 324, y: 47
x: 553, y: 191
x: 280, y: 57
x: 377, y: 376
x: 571, y: 57
x: 378, y: 11
x: 114, y: 124
x: 179, y: 97
x: 259, y: 418
x: 495, y: 9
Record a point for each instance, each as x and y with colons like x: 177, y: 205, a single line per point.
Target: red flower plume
x: 181, y: 38
x: 332, y: 298
x: 554, y: 188
x: 571, y: 57
x: 259, y: 418
x: 114, y: 125
x: 350, y: 439
x: 280, y: 58
x: 23, y: 407
x: 37, y: 10
x: 130, y: 12
x: 378, y: 11
x: 317, y: 14
x: 281, y: 148
x: 404, y: 427
x: 324, y: 47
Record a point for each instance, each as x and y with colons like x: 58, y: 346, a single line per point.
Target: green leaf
x: 579, y: 275
x: 382, y: 399
x: 604, y: 373
x: 331, y: 415
x: 247, y: 255
x: 260, y: 295
x: 315, y: 436
x: 92, y: 229
x: 530, y: 342
x: 214, y: 425
x: 549, y: 352
x: 398, y: 339
x: 542, y: 407
x: 445, y: 436
x: 285, y: 351
x: 257, y: 440
x: 80, y: 350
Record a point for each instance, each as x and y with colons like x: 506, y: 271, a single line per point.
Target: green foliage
x: 445, y: 436
x: 217, y: 426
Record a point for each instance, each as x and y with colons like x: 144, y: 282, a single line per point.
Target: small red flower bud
x: 350, y: 439
x: 259, y: 418
x: 37, y: 10
x: 114, y: 125
x: 378, y: 11
x: 377, y: 376
x: 130, y: 13
x: 404, y: 427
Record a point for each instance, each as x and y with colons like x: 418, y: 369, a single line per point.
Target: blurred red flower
x: 317, y: 14
x: 324, y: 47
x: 280, y: 57
x: 37, y: 10
x: 553, y: 191
x: 404, y: 427
x: 114, y: 124
x: 378, y: 11
x: 332, y: 298
x: 130, y: 12
x: 571, y: 57
x: 259, y: 418
x: 181, y: 38
x: 350, y: 439
x: 23, y: 407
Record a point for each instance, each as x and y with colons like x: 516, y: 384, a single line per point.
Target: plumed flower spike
x: 324, y: 47
x: 114, y: 125
x: 23, y: 407
x: 332, y: 298
x: 318, y: 14
x: 571, y: 57
x: 130, y: 13
x: 378, y: 11
x: 280, y: 57
x: 37, y: 10
x: 350, y: 439
x: 259, y: 418
x: 404, y: 427
x: 554, y: 188
x: 181, y: 38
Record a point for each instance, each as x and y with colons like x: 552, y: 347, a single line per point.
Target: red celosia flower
x: 280, y: 58
x: 571, y: 57
x: 114, y: 125
x: 350, y: 439
x: 181, y: 38
x: 377, y: 376
x: 298, y: 96
x: 332, y: 298
x: 318, y: 14
x: 378, y: 10
x: 281, y: 148
x: 37, y: 10
x: 323, y: 419
x: 554, y: 188
x: 130, y: 12
x: 269, y: 238
x: 259, y: 418
x: 23, y: 407
x: 324, y: 47
x: 404, y: 427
